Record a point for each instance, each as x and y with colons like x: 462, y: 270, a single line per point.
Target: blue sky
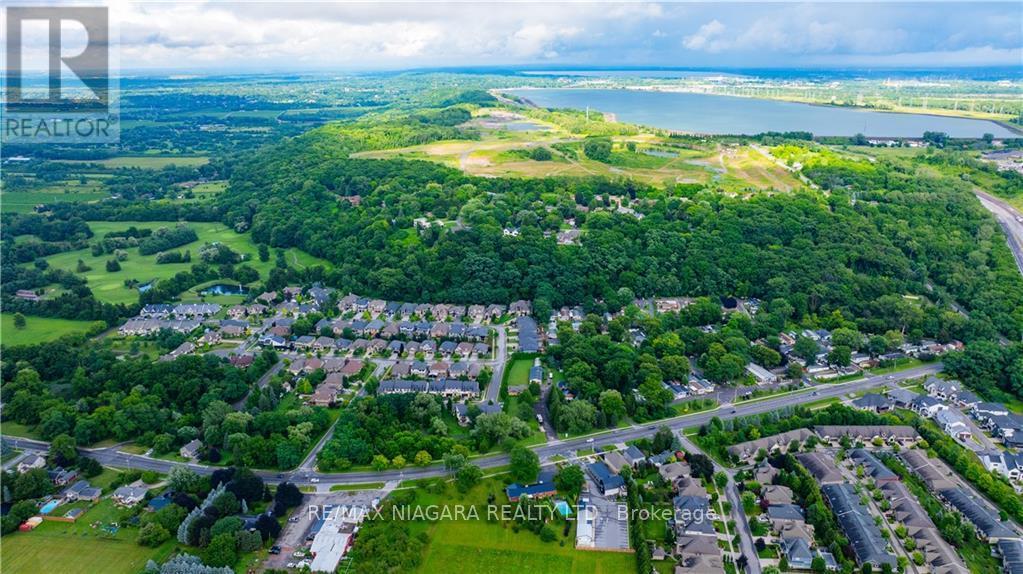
x: 273, y: 36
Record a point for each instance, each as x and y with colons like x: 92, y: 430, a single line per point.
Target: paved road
x: 746, y: 545
x: 262, y: 382
x: 111, y: 457
x: 493, y: 393
x: 1007, y: 218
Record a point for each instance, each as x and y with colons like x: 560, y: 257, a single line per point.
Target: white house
x: 762, y: 375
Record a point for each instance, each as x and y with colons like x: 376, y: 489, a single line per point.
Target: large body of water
x: 707, y: 114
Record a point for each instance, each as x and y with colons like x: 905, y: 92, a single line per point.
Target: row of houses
x: 788, y: 522
x: 180, y: 311
x: 747, y: 451
x: 438, y: 311
x: 692, y: 523
x: 442, y: 369
x: 448, y: 388
x: 417, y: 330
x: 149, y: 326
x: 939, y: 478
x: 855, y: 520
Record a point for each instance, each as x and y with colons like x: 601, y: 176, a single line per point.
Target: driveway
x: 746, y: 545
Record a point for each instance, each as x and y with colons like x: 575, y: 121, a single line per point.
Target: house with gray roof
x: 797, y: 553
x: 979, y: 512
x: 902, y: 397
x: 873, y: 467
x: 873, y: 402
x: 856, y: 522
x: 692, y: 515
x: 609, y: 483
x: 746, y: 451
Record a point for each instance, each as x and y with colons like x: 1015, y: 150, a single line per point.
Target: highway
x: 1011, y: 221
x: 112, y: 457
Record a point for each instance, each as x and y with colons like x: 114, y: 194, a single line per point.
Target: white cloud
x: 283, y: 35
x: 707, y: 38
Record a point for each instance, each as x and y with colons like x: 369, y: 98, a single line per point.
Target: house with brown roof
x: 776, y: 494
x: 352, y: 368
x: 673, y: 471
x: 779, y: 442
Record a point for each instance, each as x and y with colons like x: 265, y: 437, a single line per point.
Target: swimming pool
x: 48, y: 507
x: 563, y: 508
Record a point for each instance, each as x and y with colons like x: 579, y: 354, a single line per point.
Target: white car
x: 314, y: 480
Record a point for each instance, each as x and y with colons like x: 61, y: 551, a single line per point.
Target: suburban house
x: 902, y: 397
x: 954, y: 423
x: 542, y: 488
x: 746, y: 451
x: 615, y: 461
x: 873, y: 402
x: 927, y: 406
x: 856, y: 522
x: 82, y: 490
x: 774, y: 494
x: 191, y: 450
x: 1004, y: 463
x: 944, y: 390
x: 130, y: 495
x: 673, y: 471
x: 610, y: 484
x: 761, y: 375
x: 866, y: 433
x: 873, y: 467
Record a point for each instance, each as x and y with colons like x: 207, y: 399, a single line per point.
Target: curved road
x: 112, y: 457
x: 1011, y: 221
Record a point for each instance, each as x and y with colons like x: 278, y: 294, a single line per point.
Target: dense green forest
x: 881, y: 231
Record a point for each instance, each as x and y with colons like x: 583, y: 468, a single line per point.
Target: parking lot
x: 293, y: 536
x: 610, y: 527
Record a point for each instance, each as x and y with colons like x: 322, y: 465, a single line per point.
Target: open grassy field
x: 494, y: 547
x: 25, y: 201
x: 518, y: 372
x: 37, y: 329
x: 70, y: 190
x: 654, y: 160
x: 110, y: 287
x: 149, y: 161
x: 64, y: 548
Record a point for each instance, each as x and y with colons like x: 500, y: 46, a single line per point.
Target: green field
x: 517, y: 372
x: 25, y: 201
x: 149, y: 162
x: 110, y: 287
x: 61, y: 548
x: 494, y: 547
x: 38, y: 329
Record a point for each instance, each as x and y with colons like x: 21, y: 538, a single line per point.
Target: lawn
x: 149, y: 162
x: 494, y: 547
x: 110, y: 287
x: 25, y: 201
x: 38, y: 329
x: 357, y: 486
x: 517, y: 372
x: 12, y: 428
x: 60, y: 547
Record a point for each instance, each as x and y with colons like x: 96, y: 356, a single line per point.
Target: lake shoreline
x: 900, y: 116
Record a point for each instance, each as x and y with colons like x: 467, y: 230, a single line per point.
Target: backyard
x: 495, y: 547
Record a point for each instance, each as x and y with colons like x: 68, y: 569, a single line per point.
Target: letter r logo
x: 91, y: 65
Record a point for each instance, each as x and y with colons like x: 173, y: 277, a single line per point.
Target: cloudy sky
x: 276, y: 36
